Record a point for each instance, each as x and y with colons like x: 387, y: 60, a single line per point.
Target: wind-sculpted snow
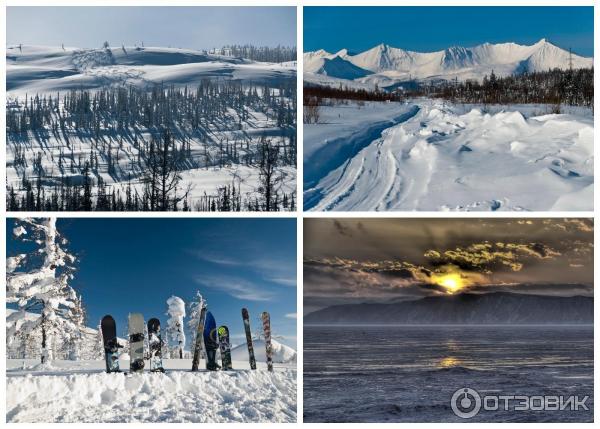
x: 445, y: 159
x: 82, y: 392
x: 42, y: 69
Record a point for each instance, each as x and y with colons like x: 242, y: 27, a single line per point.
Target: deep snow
x: 81, y: 391
x: 454, y: 157
x: 42, y: 70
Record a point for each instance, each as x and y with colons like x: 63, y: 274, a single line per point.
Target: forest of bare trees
x: 160, y: 133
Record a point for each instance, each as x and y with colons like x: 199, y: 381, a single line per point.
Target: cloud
x: 292, y: 315
x: 284, y: 281
x: 236, y: 287
x: 276, y: 270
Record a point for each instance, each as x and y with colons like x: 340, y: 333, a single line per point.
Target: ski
x: 211, y: 342
x: 136, y: 342
x: 225, y: 347
x: 155, y: 345
x: 111, y: 345
x: 246, y: 318
x: 266, y: 320
x: 198, y: 343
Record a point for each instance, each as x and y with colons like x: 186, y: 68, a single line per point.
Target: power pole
x: 570, y: 60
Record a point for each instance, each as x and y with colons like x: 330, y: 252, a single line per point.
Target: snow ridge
x: 387, y: 62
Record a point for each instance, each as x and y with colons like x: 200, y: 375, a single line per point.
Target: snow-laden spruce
x: 49, y: 317
x: 175, y: 326
x: 195, y: 311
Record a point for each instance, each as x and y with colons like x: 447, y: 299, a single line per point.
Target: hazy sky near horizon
x: 198, y: 27
x: 377, y: 260
x: 434, y: 28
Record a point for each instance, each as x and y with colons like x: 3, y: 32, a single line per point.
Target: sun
x: 452, y: 282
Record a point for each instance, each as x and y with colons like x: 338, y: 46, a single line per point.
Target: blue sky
x: 435, y: 28
x: 179, y: 27
x: 136, y: 264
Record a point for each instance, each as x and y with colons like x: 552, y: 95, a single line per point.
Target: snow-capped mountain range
x: 386, y: 65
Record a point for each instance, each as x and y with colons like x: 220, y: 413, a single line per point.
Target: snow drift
x: 455, y: 158
x: 89, y: 395
x: 281, y: 352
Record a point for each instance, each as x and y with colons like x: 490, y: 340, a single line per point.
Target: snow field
x: 443, y: 159
x: 85, y: 393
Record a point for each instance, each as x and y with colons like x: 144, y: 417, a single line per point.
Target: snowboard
x: 246, y: 318
x: 225, y: 347
x: 155, y: 345
x: 211, y: 342
x: 111, y: 345
x: 266, y: 320
x: 198, y: 343
x: 136, y: 342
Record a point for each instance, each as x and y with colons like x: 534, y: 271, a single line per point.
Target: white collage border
x: 300, y: 215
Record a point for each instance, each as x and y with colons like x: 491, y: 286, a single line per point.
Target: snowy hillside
x: 444, y: 156
x: 85, y: 125
x: 44, y: 69
x: 385, y: 65
x: 281, y: 352
x: 82, y: 392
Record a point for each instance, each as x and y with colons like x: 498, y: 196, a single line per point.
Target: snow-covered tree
x: 175, y: 331
x: 38, y: 283
x: 195, y: 308
x: 97, y: 349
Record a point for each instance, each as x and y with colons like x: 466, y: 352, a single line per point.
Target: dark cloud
x: 383, y: 259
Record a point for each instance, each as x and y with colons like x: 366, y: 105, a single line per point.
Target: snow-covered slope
x: 281, y: 352
x: 385, y: 64
x: 44, y: 69
x: 82, y: 392
x: 446, y: 157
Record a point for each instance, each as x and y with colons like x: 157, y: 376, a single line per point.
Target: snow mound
x: 177, y: 396
x: 281, y: 352
x: 455, y: 158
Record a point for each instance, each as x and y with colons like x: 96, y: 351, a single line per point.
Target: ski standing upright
x: 155, y: 345
x: 198, y: 343
x: 111, y: 345
x: 246, y: 319
x: 266, y: 320
x: 136, y: 342
x: 225, y: 347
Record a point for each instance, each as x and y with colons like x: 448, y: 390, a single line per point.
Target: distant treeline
x: 314, y: 92
x: 569, y: 87
x: 277, y: 54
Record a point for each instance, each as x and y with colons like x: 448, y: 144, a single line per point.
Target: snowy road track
x: 441, y: 158
x: 177, y: 396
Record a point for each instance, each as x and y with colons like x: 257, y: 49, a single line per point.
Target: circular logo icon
x: 466, y: 403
